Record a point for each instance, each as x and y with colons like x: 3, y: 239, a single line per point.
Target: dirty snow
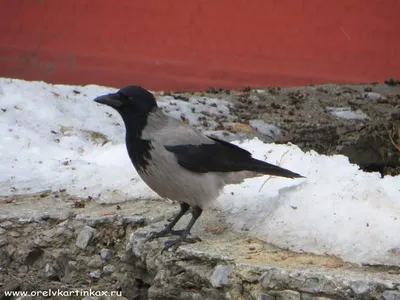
x: 373, y: 96
x: 347, y: 113
x: 56, y: 137
x: 269, y: 130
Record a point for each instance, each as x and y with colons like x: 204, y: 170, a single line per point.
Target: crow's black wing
x: 220, y: 156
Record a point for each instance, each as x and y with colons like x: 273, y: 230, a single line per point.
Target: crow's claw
x: 153, y: 235
x: 178, y: 232
x: 156, y: 234
x: 174, y: 244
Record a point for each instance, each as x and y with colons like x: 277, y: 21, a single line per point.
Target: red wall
x: 192, y: 44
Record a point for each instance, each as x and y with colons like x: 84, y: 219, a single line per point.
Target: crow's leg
x: 174, y: 244
x: 168, y: 228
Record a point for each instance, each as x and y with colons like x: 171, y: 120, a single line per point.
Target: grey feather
x: 165, y: 176
x: 168, y: 131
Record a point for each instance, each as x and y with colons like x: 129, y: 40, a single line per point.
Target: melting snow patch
x: 373, y: 96
x: 269, y: 130
x: 347, y: 113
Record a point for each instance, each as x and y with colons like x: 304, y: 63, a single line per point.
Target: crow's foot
x: 153, y: 235
x: 174, y: 244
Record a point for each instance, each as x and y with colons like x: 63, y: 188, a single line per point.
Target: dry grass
x: 395, y: 144
x: 278, y: 163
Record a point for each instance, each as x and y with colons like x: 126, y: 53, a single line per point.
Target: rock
x: 84, y: 237
x: 96, y: 274
x: 190, y: 296
x: 7, y: 224
x: 23, y: 269
x: 3, y: 241
x: 11, y: 250
x: 249, y: 275
x: 108, y: 269
x: 50, y: 271
x: 221, y: 276
x: 99, y: 220
x: 64, y: 230
x: 138, y: 240
x: 312, y: 285
x: 132, y: 220
x: 391, y: 295
x: 274, y: 279
x: 359, y: 287
x: 106, y: 254
x: 2, y: 230
x: 286, y: 295
x: 95, y: 261
x: 313, y: 297
x: 49, y: 233
x: 262, y: 296
x: 14, y: 234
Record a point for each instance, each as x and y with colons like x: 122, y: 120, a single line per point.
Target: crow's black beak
x: 112, y: 100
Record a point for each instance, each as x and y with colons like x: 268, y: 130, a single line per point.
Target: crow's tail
x: 265, y: 168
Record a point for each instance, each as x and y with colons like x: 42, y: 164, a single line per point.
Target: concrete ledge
x: 68, y: 246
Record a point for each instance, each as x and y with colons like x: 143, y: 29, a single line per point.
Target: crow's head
x: 130, y: 100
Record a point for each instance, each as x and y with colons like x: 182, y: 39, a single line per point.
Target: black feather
x: 222, y: 156
x: 139, y: 152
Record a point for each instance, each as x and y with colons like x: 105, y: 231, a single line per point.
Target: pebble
x: 133, y: 220
x: 287, y: 295
x: 95, y: 262
x: 23, y: 269
x: 84, y: 237
x: 100, y: 220
x: 49, y: 271
x: 190, y: 296
x: 263, y: 296
x: 391, y: 295
x: 6, y: 224
x: 14, y: 234
x: 108, y: 269
x: 221, y: 276
x: 106, y: 254
x: 3, y: 241
x: 96, y: 274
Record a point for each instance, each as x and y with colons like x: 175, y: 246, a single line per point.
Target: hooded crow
x: 177, y: 161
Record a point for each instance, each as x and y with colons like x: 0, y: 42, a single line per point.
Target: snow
x: 347, y: 113
x: 269, y: 130
x: 373, y: 96
x: 55, y: 137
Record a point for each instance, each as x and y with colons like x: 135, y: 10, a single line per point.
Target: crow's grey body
x: 167, y: 178
x: 179, y: 162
